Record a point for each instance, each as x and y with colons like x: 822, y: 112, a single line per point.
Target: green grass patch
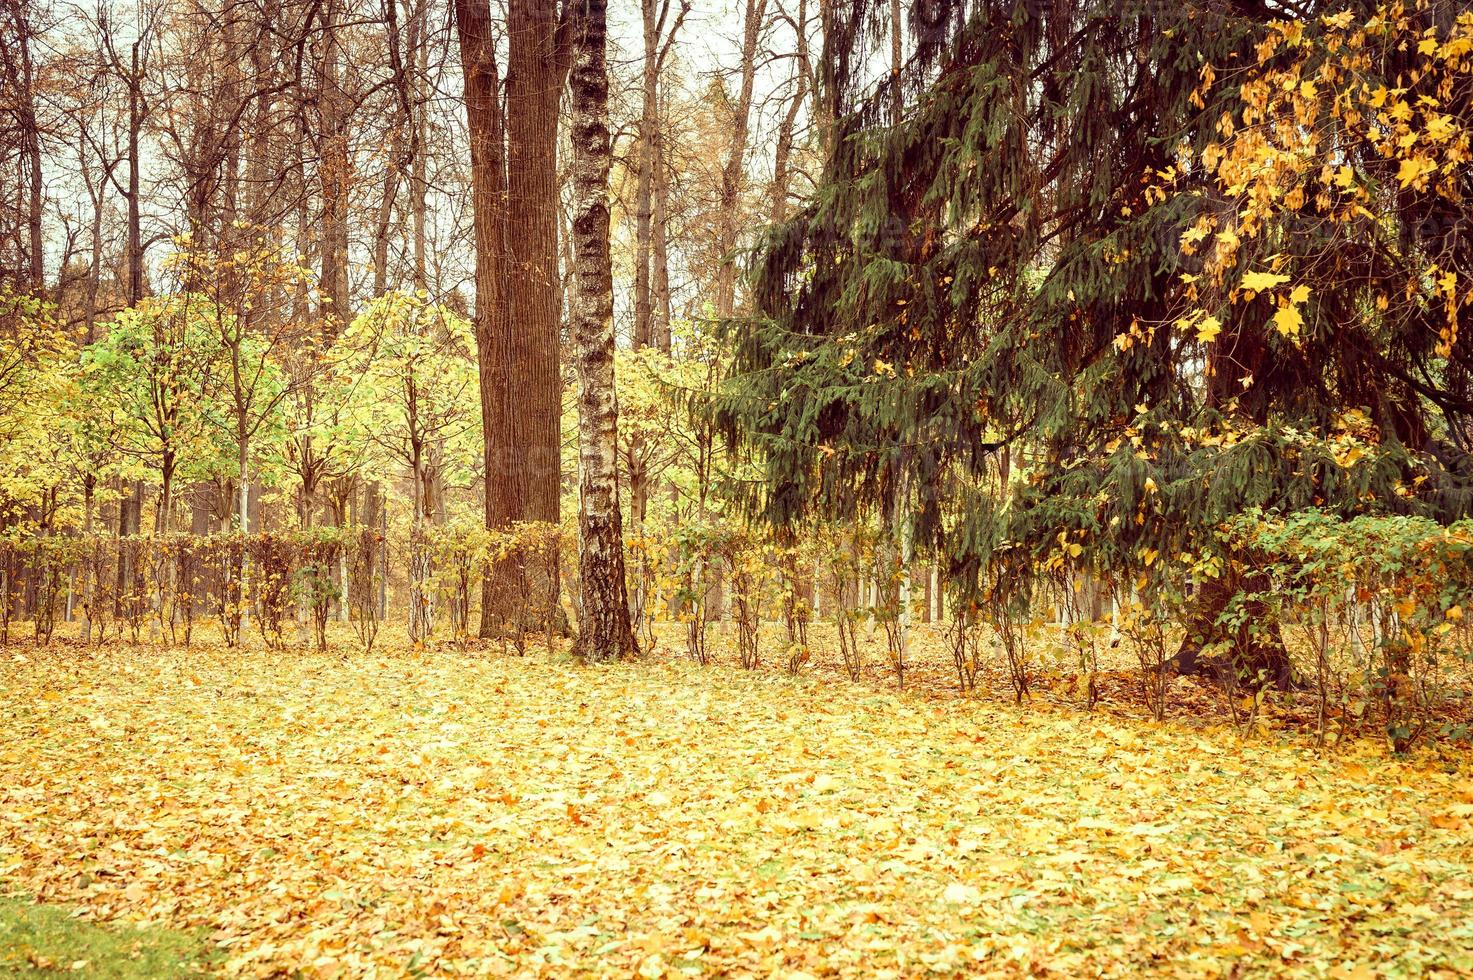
x: 47, y: 941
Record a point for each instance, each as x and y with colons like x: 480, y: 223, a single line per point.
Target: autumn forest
x: 755, y: 488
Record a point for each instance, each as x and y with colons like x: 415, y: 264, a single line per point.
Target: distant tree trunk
x: 130, y: 516
x: 787, y: 129
x: 302, y: 195
x: 897, y: 62
x: 263, y: 166
x: 419, y: 190
x: 98, y: 194
x: 493, y: 333
x: 729, y: 217
x: 660, y: 251
x: 928, y: 581
x: 404, y: 142
x: 605, y: 632
x: 333, y: 175
x: 825, y: 85
x: 421, y: 598
x: 652, y: 13
x: 90, y: 565
x: 24, y: 108
x: 135, y: 221
x: 660, y: 204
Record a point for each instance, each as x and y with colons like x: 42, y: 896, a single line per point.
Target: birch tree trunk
x: 605, y: 632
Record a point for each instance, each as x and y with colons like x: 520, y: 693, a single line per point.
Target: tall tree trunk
x: 605, y: 632
x: 232, y: 96
x: 660, y: 251
x: 534, y: 76
x: 493, y: 340
x: 384, y: 223
x: 825, y: 85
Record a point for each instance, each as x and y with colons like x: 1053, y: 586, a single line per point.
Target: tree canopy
x: 1099, y: 276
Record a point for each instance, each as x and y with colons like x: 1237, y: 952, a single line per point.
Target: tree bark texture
x: 494, y: 351
x: 605, y: 629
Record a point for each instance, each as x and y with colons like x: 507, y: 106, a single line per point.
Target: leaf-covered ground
x: 454, y: 813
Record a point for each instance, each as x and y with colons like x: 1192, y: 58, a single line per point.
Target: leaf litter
x: 464, y: 814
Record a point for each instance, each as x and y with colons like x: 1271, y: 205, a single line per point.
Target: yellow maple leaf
x: 1440, y: 128
x: 1288, y: 321
x: 1196, y: 233
x: 1413, y: 169
x: 1259, y: 281
x: 1208, y: 329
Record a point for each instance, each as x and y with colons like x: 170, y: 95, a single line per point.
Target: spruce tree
x: 1040, y: 295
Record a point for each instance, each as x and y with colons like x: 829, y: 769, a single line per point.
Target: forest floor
x: 442, y: 813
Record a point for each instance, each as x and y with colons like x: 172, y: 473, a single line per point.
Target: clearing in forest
x: 471, y: 813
